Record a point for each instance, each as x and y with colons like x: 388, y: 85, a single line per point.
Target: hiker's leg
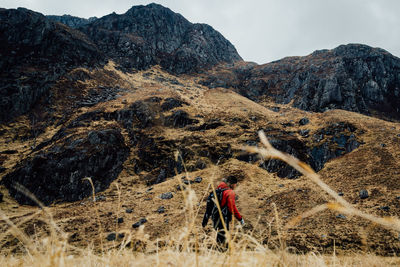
x: 221, y: 236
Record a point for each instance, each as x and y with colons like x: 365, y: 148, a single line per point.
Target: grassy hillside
x: 203, y: 137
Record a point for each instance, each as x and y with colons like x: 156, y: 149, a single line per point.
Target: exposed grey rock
x: 121, y: 235
x: 129, y: 210
x: 304, y: 121
x: 180, y: 188
x: 340, y: 216
x: 363, y: 194
x: 161, y: 209
x: 384, y: 208
x: 167, y: 195
x: 111, y: 236
x: 57, y: 172
x: 304, y: 132
x: 139, y: 223
x: 198, y: 179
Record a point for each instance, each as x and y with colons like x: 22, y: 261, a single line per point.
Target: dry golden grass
x: 190, y: 246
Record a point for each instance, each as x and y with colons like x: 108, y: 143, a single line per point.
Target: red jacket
x: 228, y: 198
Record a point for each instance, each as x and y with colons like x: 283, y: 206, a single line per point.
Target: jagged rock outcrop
x: 35, y: 52
x: 72, y: 21
x: 152, y: 34
x: 56, y: 174
x: 352, y: 77
x: 326, y: 143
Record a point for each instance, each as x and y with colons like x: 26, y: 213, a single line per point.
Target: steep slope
x: 152, y: 34
x: 352, y: 77
x: 34, y: 53
x: 158, y: 115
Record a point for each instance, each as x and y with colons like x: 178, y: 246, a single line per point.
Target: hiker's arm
x: 232, y: 206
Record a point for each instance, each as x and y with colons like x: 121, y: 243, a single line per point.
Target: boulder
x: 111, y: 236
x: 167, y: 195
x: 139, y: 223
x: 363, y: 194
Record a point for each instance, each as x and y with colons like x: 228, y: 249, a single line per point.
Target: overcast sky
x: 264, y: 30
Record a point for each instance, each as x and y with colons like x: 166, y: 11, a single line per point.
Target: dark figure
x: 226, y: 199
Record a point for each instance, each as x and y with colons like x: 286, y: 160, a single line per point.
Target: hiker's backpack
x: 212, y: 209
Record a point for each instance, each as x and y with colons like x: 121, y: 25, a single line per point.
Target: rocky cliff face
x: 352, y: 77
x: 56, y: 173
x: 35, y: 52
x: 153, y: 34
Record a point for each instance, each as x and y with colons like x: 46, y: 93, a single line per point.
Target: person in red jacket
x: 226, y: 199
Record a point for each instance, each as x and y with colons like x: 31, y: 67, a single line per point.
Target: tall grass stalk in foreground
x: 191, y: 246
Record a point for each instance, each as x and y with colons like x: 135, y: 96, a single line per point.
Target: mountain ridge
x: 154, y: 113
x: 353, y: 77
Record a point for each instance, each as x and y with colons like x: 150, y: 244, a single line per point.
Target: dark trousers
x: 221, y: 237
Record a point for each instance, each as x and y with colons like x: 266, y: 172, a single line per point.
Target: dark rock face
x: 328, y: 143
x: 56, y: 174
x: 352, y: 77
x: 179, y: 119
x: 152, y: 34
x: 35, y: 52
x: 71, y: 21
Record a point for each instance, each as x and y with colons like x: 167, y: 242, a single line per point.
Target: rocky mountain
x: 107, y: 100
x: 352, y: 77
x: 152, y: 34
x: 72, y: 21
x: 34, y: 53
x: 34, y: 46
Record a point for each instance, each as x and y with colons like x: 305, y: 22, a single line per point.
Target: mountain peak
x: 153, y: 34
